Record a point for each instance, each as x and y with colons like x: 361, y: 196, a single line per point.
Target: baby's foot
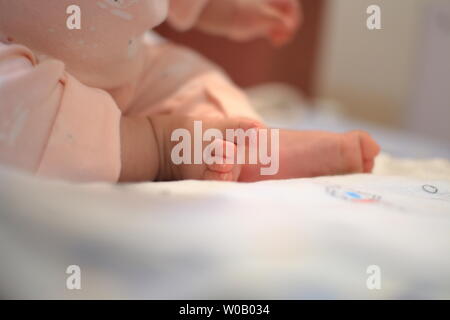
x: 177, y: 158
x: 358, y: 152
x: 314, y: 153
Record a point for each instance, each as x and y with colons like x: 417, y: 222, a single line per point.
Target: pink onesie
x: 63, y: 92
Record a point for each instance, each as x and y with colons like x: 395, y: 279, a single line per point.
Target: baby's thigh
x: 181, y: 63
x: 169, y: 67
x: 182, y: 81
x: 210, y: 95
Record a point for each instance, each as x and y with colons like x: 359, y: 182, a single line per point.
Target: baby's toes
x: 369, y: 150
x: 368, y: 165
x: 359, y: 151
x: 369, y: 146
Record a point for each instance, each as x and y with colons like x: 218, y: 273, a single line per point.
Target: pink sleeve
x: 53, y: 125
x: 184, y: 14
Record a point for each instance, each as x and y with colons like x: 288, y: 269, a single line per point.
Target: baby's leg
x: 187, y: 85
x: 316, y: 153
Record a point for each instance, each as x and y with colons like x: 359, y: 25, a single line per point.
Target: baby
x: 100, y: 103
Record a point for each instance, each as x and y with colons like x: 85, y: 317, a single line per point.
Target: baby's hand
x: 277, y: 20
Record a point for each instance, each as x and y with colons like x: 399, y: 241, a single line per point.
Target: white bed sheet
x: 303, y: 238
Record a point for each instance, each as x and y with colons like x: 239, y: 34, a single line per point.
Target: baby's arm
x: 140, y: 153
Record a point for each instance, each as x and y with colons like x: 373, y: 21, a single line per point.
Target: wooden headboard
x: 257, y: 62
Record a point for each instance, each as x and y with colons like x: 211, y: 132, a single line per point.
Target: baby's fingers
x: 229, y: 127
x: 235, y: 123
x: 285, y: 16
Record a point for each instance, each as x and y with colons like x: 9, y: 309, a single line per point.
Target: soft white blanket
x: 303, y: 238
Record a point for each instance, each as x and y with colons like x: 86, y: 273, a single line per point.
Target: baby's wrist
x: 139, y: 150
x: 159, y: 125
